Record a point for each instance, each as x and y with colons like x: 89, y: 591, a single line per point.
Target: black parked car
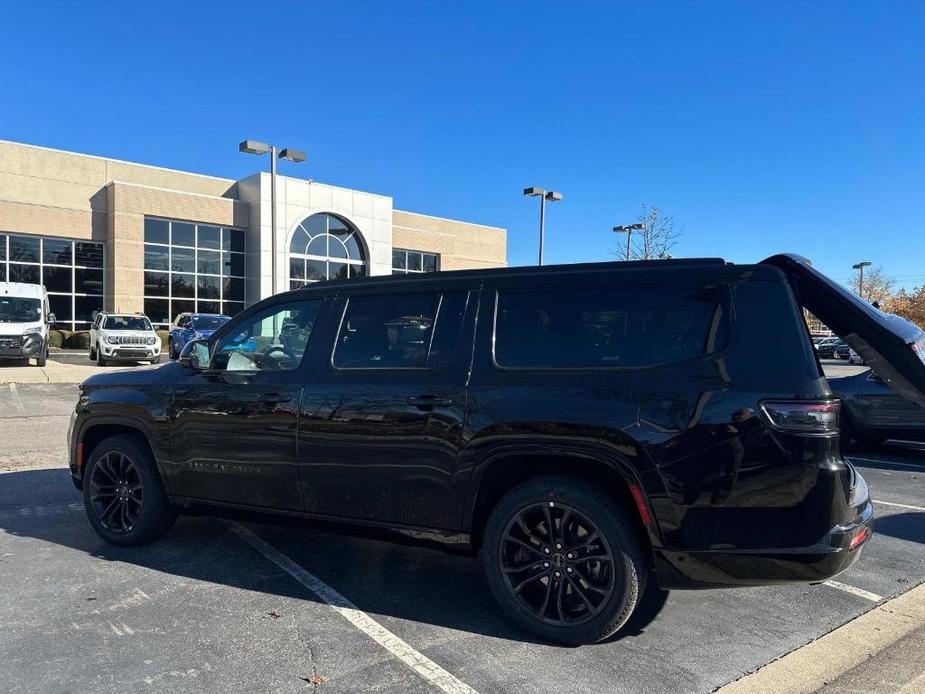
x: 584, y: 428
x: 827, y: 351
x: 842, y: 351
x: 872, y: 412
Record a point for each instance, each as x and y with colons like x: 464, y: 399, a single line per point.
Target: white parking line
x: 893, y: 503
x: 888, y: 463
x: 421, y: 664
x: 867, y: 595
x: 14, y: 396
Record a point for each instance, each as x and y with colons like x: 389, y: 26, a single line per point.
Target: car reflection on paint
x: 872, y: 412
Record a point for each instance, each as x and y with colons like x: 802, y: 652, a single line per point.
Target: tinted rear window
x: 597, y: 327
x: 209, y: 322
x: 400, y: 331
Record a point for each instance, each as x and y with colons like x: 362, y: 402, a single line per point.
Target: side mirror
x: 52, y: 319
x: 195, y: 355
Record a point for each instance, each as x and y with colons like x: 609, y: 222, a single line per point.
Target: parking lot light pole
x: 628, y: 229
x: 552, y: 196
x: 289, y: 154
x: 860, y: 267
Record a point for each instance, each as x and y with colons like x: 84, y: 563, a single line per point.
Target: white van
x: 24, y: 322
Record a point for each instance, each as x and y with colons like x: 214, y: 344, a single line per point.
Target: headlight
x: 152, y: 340
x: 112, y: 339
x: 31, y: 331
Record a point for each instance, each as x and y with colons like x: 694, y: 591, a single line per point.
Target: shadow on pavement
x: 905, y: 526
x: 413, y: 583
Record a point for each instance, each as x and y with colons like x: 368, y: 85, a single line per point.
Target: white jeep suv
x: 123, y: 337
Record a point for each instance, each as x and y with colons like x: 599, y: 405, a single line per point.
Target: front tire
x: 100, y: 361
x: 123, y: 494
x: 564, y: 560
x: 42, y: 360
x: 171, y: 352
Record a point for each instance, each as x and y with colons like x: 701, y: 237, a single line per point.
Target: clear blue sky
x: 762, y: 127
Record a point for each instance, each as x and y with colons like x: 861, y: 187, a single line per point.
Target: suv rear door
x: 892, y: 346
x: 381, y: 424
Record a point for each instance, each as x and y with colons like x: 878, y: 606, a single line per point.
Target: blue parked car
x: 192, y: 326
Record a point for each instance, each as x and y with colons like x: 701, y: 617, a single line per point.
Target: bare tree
x: 657, y: 236
x: 877, y: 286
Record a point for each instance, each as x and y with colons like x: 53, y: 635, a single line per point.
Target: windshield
x: 209, y: 322
x: 14, y: 309
x: 126, y: 323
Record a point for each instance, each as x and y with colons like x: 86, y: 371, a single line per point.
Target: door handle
x: 273, y: 398
x: 429, y: 401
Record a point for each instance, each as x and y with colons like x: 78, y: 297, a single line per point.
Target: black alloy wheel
x: 116, y: 492
x: 564, y: 558
x: 557, y: 563
x: 123, y: 493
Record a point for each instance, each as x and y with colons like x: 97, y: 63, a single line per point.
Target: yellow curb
x: 808, y: 668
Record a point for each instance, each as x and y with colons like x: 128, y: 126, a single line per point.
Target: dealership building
x: 104, y: 234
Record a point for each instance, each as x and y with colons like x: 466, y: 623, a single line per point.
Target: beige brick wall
x: 461, y: 245
x: 55, y: 193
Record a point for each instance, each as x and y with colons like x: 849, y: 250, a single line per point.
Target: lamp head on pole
x: 860, y: 266
x: 293, y: 155
x: 533, y: 191
x: 253, y: 147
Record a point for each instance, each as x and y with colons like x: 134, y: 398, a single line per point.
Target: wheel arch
x: 94, y: 432
x: 504, y: 471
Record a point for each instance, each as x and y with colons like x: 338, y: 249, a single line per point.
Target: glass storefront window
x: 71, y: 271
x: 195, y: 268
x: 405, y: 262
x: 325, y: 247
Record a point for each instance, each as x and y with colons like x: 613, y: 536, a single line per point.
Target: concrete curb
x: 819, y: 662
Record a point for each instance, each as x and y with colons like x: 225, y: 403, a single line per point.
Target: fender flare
x: 641, y: 491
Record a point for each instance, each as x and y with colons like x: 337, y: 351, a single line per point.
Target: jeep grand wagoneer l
x: 584, y: 428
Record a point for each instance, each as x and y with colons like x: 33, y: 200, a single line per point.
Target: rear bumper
x: 831, y: 555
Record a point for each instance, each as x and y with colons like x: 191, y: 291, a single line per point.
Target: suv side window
x: 400, y: 331
x: 96, y: 322
x: 608, y: 327
x: 271, y: 340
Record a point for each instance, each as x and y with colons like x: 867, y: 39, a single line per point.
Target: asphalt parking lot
x: 221, y: 605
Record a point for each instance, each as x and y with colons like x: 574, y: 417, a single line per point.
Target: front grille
x: 11, y: 341
x: 124, y: 340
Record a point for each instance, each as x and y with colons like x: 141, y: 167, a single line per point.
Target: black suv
x: 584, y: 428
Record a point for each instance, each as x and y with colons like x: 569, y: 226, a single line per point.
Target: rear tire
x: 123, y: 494
x: 593, y: 581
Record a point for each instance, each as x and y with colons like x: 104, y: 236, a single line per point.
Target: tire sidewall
x: 156, y: 514
x: 629, y: 564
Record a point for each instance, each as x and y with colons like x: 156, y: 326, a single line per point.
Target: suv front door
x: 381, y: 424
x: 233, y: 425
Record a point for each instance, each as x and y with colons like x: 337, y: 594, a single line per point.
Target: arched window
x: 325, y: 247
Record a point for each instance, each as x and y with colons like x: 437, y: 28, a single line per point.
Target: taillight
x: 860, y: 538
x: 802, y: 417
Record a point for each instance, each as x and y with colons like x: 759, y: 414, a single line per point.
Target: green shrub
x: 163, y: 334
x: 57, y: 338
x: 78, y: 340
